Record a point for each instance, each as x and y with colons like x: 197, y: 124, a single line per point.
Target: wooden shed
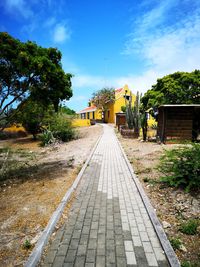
x: 120, y: 119
x: 178, y: 122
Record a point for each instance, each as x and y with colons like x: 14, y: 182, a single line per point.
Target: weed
x: 189, y: 264
x: 150, y: 181
x: 176, y: 243
x: 146, y: 180
x: 15, y: 163
x: 47, y: 138
x: 181, y: 167
x: 146, y: 170
x: 27, y: 244
x: 189, y: 227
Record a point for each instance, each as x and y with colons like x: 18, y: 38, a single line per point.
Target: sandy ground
x: 172, y: 205
x: 28, y: 201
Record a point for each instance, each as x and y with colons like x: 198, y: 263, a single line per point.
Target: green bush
x: 62, y: 129
x: 189, y: 264
x: 176, y: 243
x: 181, y: 167
x: 189, y: 227
x: 47, y: 138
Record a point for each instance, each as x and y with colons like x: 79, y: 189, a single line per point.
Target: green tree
x: 33, y: 116
x: 29, y: 70
x: 176, y: 88
x: 102, y: 98
x: 67, y: 110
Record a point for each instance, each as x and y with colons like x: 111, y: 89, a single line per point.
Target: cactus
x: 129, y: 114
x: 136, y: 113
x: 133, y: 114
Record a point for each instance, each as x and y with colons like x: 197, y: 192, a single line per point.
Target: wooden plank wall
x: 179, y: 123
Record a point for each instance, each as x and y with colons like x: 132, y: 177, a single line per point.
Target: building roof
x: 88, y: 109
x: 118, y: 90
x: 180, y: 105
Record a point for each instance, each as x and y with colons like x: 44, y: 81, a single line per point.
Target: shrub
x: 176, y: 243
x: 189, y: 227
x: 47, y: 138
x: 189, y: 264
x: 181, y: 167
x: 62, y: 129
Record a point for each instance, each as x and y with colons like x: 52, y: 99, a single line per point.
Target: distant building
x: 93, y: 113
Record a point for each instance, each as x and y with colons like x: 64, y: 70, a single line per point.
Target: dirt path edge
x: 36, y: 254
x: 169, y: 252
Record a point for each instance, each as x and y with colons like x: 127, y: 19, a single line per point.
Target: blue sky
x: 110, y: 42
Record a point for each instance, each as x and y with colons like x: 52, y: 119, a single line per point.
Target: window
x: 108, y: 113
x: 88, y: 115
x: 93, y: 115
x: 83, y: 116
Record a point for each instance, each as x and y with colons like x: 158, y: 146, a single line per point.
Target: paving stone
x: 66, y: 239
x: 128, y: 245
x: 71, y: 254
x: 130, y: 256
x: 84, y: 239
x: 80, y: 261
x: 89, y: 264
x: 137, y: 241
x: 62, y: 250
x: 147, y: 247
x: 91, y: 254
x: 86, y: 229
x: 76, y: 234
x: 94, y: 225
x: 151, y: 259
x: 101, y: 238
x: 67, y: 264
x: 108, y: 224
x: 50, y: 256
x: 92, y: 244
x: 121, y: 262
x: 140, y: 257
x: 101, y: 261
x: 144, y: 236
x: 110, y: 256
x: 110, y: 244
x: 120, y: 251
x: 81, y: 250
x: 159, y: 253
x: 119, y: 240
x: 74, y: 244
x: 59, y: 260
x: 127, y: 235
x: 110, y: 234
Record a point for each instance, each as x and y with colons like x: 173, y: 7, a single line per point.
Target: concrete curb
x: 169, y: 252
x: 35, y: 256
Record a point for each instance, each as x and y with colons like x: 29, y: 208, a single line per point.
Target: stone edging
x: 169, y: 252
x: 36, y: 254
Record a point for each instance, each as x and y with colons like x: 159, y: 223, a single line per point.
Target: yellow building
x: 93, y: 113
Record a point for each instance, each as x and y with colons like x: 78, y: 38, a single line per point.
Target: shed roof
x: 180, y: 105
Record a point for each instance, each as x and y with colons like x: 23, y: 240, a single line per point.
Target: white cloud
x: 80, y: 80
x: 165, y: 47
x: 61, y: 33
x: 136, y: 83
x: 19, y: 6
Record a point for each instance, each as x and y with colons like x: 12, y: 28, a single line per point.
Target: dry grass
x: 27, y: 201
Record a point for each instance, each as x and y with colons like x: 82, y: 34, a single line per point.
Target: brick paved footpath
x: 108, y: 224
